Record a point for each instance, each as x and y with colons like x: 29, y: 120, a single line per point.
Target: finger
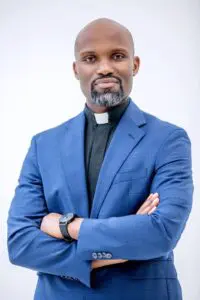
x: 152, y: 210
x: 149, y: 200
x: 150, y: 196
x: 153, y: 204
x: 148, y: 208
x: 155, y: 195
x: 145, y: 204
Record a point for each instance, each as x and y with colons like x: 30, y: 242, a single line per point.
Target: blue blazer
x: 146, y: 155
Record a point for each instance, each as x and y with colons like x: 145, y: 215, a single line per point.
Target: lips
x: 106, y: 80
x: 105, y: 83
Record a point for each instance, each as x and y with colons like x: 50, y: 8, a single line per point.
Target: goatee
x: 107, y: 98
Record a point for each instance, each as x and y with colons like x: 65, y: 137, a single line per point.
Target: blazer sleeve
x: 143, y: 237
x: 28, y: 246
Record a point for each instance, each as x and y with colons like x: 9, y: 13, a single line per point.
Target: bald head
x: 105, y: 27
x: 104, y: 50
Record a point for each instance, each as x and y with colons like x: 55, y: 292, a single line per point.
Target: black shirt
x: 98, y: 136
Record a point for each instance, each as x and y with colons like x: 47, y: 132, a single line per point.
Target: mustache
x: 106, y: 76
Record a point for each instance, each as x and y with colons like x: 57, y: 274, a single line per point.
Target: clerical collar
x: 112, y: 116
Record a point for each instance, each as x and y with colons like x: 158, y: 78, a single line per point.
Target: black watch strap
x: 64, y: 221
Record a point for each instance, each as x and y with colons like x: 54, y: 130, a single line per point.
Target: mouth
x: 106, y: 83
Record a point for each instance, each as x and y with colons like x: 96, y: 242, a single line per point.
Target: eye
x: 118, y: 56
x: 89, y: 59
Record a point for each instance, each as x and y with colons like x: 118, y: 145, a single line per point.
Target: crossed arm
x: 134, y: 237
x: 50, y: 225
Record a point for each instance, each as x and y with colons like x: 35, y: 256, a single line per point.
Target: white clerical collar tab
x: 102, y: 118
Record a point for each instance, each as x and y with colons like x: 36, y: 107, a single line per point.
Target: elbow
x: 15, y: 247
x: 12, y: 260
x: 168, y: 245
x: 15, y: 244
x: 12, y: 252
x: 172, y: 241
x: 169, y: 233
x: 19, y: 252
x: 18, y: 245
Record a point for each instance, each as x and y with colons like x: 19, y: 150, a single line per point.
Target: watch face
x: 63, y: 223
x: 70, y: 215
x: 63, y: 219
x: 66, y: 218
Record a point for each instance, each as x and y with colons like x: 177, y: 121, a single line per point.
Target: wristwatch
x: 63, y: 224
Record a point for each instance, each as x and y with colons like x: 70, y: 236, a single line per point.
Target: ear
x: 75, y: 70
x: 136, y: 65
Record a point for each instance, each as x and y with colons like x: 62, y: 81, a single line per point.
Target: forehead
x: 103, y: 39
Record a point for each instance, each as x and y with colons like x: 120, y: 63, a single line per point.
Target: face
x: 105, y: 66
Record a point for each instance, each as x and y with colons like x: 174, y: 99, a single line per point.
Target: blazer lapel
x: 126, y: 136
x: 72, y: 156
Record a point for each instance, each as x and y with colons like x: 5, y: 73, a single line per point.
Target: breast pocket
x: 130, y: 175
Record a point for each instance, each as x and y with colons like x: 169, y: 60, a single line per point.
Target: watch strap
x: 64, y: 221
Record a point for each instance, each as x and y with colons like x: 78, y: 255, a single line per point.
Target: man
x: 79, y: 215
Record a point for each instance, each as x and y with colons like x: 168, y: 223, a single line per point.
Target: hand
x: 74, y: 228
x: 50, y: 225
x: 101, y: 263
x: 150, y: 205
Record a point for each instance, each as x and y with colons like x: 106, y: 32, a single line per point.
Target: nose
x: 104, y: 68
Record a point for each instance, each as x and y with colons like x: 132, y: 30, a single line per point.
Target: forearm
x: 50, y: 225
x: 132, y: 237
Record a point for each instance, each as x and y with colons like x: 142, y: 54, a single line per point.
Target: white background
x: 38, y: 91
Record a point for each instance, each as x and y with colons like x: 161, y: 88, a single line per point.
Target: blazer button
x: 99, y: 255
x: 94, y: 255
x: 109, y: 255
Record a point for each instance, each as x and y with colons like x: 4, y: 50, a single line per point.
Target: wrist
x: 74, y: 228
x: 71, y: 228
x: 64, y: 222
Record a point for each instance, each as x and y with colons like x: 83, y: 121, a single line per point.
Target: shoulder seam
x: 162, y: 144
x: 35, y: 151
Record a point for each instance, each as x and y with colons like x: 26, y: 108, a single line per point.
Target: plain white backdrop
x: 38, y: 91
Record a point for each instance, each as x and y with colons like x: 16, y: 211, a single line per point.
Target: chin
x: 107, y: 99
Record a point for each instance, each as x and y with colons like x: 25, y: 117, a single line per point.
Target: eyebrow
x: 92, y: 52
x: 87, y: 52
x: 120, y: 49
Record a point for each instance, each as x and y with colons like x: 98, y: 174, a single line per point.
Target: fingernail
x: 156, y: 200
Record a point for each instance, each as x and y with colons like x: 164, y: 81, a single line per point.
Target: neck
x: 96, y: 108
